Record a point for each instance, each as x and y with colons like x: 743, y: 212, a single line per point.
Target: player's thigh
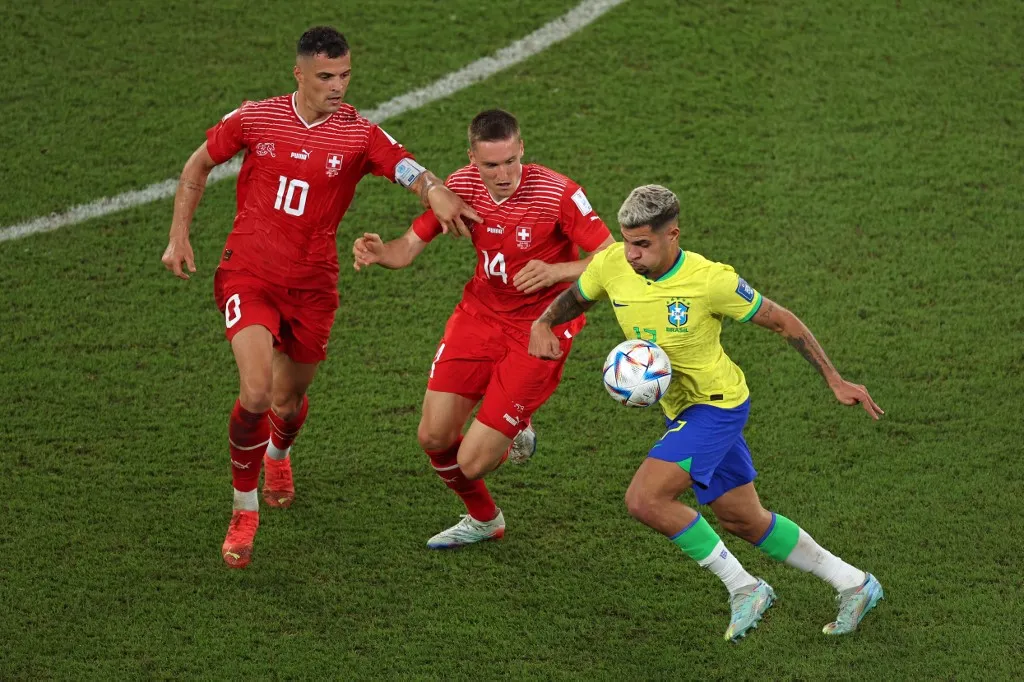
x: 245, y: 301
x: 520, y: 384
x: 465, y: 356
x: 307, y: 319
x: 253, y: 348
x: 442, y: 419
x: 657, y: 481
x: 698, y: 441
x: 482, y: 449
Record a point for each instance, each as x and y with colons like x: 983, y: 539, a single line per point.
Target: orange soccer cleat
x: 278, y: 486
x: 237, y: 548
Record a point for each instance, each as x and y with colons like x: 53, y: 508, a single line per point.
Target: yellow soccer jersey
x: 682, y: 312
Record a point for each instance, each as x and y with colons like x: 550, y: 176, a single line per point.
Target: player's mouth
x: 334, y: 100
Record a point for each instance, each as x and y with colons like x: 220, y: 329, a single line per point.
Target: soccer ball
x: 637, y: 373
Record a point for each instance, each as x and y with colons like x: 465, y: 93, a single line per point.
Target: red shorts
x: 481, y: 357
x: 299, y: 319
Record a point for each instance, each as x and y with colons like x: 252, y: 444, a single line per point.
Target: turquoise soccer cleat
x: 854, y: 605
x: 747, y: 609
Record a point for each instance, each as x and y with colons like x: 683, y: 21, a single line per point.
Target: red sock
x: 474, y: 494
x: 248, y: 433
x: 284, y: 432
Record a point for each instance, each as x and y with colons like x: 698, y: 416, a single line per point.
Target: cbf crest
x: 678, y: 313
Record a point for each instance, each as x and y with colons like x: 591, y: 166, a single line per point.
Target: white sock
x: 722, y: 563
x: 811, y: 557
x: 246, y: 501
x: 274, y: 452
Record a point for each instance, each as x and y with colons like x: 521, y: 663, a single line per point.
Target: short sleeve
x: 383, y: 153
x: 579, y: 221
x: 227, y: 138
x: 730, y: 295
x: 426, y: 226
x: 591, y: 282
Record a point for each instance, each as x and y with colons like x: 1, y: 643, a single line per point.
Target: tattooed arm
x: 569, y: 305
x: 779, y: 320
x: 191, y: 186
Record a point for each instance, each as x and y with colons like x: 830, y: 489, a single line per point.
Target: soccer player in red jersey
x: 535, y: 221
x: 277, y: 278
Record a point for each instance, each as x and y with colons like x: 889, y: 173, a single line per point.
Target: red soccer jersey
x: 546, y: 218
x: 295, y: 185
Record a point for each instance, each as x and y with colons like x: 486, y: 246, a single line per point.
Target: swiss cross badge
x: 523, y: 237
x: 334, y: 163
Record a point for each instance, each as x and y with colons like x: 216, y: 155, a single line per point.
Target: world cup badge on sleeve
x: 334, y: 160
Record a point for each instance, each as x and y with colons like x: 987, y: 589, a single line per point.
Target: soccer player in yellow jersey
x: 677, y: 299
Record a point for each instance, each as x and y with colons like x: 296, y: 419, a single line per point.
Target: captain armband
x: 407, y: 171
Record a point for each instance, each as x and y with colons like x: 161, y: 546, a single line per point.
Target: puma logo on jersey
x: 498, y: 229
x: 301, y: 155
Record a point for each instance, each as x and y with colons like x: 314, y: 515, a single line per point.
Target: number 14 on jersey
x: 495, y: 267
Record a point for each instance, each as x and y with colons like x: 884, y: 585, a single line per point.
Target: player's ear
x: 298, y: 73
x: 469, y: 153
x: 522, y: 149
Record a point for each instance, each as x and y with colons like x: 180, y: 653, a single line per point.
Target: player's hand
x: 367, y: 250
x: 537, y: 275
x: 454, y: 214
x: 179, y: 251
x: 853, y: 394
x: 543, y: 342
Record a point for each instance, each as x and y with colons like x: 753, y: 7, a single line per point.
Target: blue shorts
x: 707, y: 442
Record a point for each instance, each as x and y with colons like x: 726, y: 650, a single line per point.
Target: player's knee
x: 255, y: 393
x: 287, y: 407
x: 472, y: 467
x: 433, y: 440
x: 640, y: 506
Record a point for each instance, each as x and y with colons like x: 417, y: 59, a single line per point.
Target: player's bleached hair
x: 652, y: 205
x: 325, y: 40
x: 492, y: 125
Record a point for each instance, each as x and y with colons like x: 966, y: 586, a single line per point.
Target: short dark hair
x: 492, y: 125
x: 324, y: 40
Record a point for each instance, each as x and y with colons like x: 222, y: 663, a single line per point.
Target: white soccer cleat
x: 523, y: 446
x: 468, y: 531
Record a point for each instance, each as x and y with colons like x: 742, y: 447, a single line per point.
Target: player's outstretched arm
x: 454, y: 214
x: 191, y: 186
x: 393, y: 255
x: 567, y: 306
x: 537, y: 274
x: 781, y: 321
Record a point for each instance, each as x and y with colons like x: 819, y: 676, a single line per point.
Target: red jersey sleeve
x: 426, y: 226
x: 226, y: 139
x: 580, y: 222
x: 383, y: 153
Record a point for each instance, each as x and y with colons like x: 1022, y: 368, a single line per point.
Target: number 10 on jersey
x: 286, y: 201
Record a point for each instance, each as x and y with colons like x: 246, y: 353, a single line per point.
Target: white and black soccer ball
x: 637, y: 373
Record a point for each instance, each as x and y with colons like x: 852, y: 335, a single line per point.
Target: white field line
x: 547, y: 35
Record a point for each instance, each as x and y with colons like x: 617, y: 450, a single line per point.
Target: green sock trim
x: 698, y: 540
x: 781, y: 540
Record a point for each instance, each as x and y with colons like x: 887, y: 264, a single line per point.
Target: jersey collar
x: 675, y: 267
x: 295, y: 110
